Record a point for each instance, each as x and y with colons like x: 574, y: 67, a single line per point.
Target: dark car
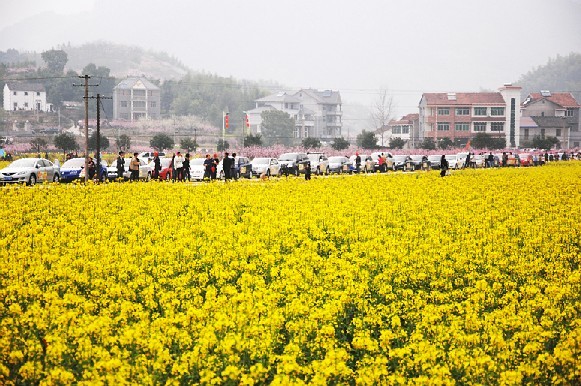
x: 243, y: 167
x: 417, y: 162
x: 399, y: 162
x: 293, y: 163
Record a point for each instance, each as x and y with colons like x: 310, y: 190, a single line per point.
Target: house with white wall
x: 22, y: 96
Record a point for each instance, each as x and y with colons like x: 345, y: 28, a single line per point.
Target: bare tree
x: 382, y: 112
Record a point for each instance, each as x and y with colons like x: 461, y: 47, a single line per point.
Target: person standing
x: 178, y: 166
x: 91, y: 168
x: 208, y: 162
x: 357, y: 162
x: 120, y: 165
x: 234, y: 168
x: 134, y: 168
x: 226, y: 166
x: 467, y: 162
x: 216, y: 161
x: 186, y: 168
x: 308, y: 171
x: 156, y: 165
x: 443, y: 166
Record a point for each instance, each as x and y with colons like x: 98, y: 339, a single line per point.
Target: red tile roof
x: 563, y: 99
x: 464, y: 98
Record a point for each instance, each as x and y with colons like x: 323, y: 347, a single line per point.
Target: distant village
x: 457, y: 116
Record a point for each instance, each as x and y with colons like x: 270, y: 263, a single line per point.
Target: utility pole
x: 98, y: 97
x: 86, y: 97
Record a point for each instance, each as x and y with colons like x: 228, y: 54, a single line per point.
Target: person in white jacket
x: 179, y: 166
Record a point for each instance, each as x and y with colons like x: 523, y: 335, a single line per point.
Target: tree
x: 366, y: 140
x: 104, y: 142
x: 222, y: 145
x: 396, y: 143
x: 545, y: 143
x: 277, y: 127
x: 38, y: 144
x: 445, y: 143
x: 486, y: 141
x: 311, y: 143
x: 340, y: 143
x: 66, y: 142
x: 253, y: 140
x: 55, y: 60
x: 123, y: 142
x: 428, y: 144
x: 188, y: 144
x: 162, y: 141
x: 381, y: 112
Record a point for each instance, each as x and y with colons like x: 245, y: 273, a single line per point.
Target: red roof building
x: 462, y: 115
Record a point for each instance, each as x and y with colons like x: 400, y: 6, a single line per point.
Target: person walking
x: 120, y: 166
x: 226, y: 166
x: 186, y: 168
x: 156, y: 165
x: 208, y: 162
x: 234, y: 169
x: 134, y: 168
x: 178, y: 166
x: 443, y: 166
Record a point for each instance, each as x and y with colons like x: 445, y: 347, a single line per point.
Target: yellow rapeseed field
x: 383, y: 279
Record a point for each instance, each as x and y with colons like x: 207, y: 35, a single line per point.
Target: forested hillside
x: 562, y: 73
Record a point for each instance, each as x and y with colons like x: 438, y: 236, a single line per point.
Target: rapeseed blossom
x: 378, y: 279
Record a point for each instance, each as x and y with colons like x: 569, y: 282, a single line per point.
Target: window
x: 138, y: 104
x: 405, y: 129
x: 25, y: 104
x: 497, y: 111
x: 526, y: 134
x: 297, y: 132
x: 138, y: 93
x: 558, y: 133
x: 462, y: 111
x: 26, y: 93
x: 123, y: 103
x: 575, y: 144
x: 14, y: 93
x: 124, y: 116
x: 396, y: 130
x: 443, y: 126
x: 542, y: 133
x: 443, y: 111
x: 37, y: 93
x: 152, y: 104
x: 480, y: 126
x: 569, y: 113
x: 462, y: 127
x: 480, y: 111
x: 497, y: 126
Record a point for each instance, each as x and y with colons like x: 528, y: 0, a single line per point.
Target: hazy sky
x: 356, y: 47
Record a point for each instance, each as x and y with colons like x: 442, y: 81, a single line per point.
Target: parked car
x: 30, y: 171
x: 72, y: 168
x: 266, y: 166
x: 148, y: 155
x: 319, y: 163
x: 398, y: 162
x: 417, y: 162
x: 242, y: 168
x: 103, y: 171
x: 145, y: 169
x: 526, y: 159
x: 453, y: 162
x: 197, y: 169
x: 353, y: 165
x: 434, y: 161
x: 165, y: 172
x: 293, y: 163
x: 388, y: 160
x: 339, y: 164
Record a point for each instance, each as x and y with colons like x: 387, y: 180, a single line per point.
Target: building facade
x: 406, y: 128
x: 555, y: 115
x: 25, y: 97
x: 136, y: 98
x: 317, y: 114
x: 461, y: 116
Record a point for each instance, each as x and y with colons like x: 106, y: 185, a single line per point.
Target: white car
x: 30, y: 171
x: 454, y: 162
x: 197, y: 168
x: 339, y: 164
x: 148, y: 155
x: 319, y: 163
x: 266, y: 166
x: 144, y: 169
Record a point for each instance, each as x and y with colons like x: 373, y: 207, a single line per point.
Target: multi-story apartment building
x: 316, y: 113
x: 554, y: 114
x: 460, y: 116
x: 136, y: 98
x: 25, y: 96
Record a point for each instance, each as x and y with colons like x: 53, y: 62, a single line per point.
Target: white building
x: 19, y: 96
x: 316, y: 113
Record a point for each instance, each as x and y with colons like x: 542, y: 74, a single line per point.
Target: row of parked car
x: 33, y: 170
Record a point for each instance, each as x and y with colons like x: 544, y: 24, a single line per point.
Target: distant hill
x: 560, y: 74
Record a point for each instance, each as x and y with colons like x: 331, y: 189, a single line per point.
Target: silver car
x: 30, y: 171
x: 267, y: 166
